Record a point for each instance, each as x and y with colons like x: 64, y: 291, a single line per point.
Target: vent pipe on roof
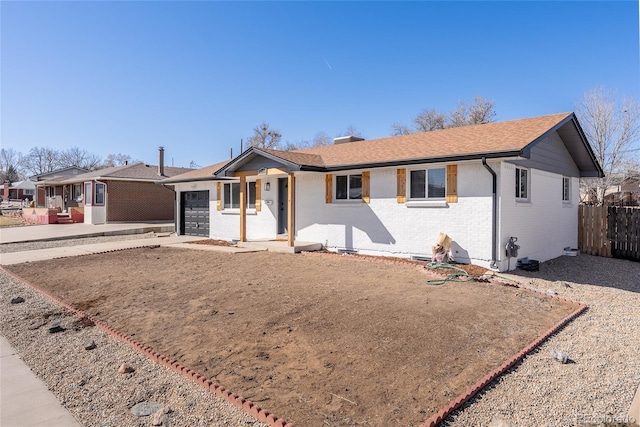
x: 345, y: 139
x: 161, y: 161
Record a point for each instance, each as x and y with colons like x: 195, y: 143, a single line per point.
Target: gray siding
x: 551, y: 155
x: 260, y: 162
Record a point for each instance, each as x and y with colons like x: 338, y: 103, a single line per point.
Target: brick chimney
x: 161, y: 161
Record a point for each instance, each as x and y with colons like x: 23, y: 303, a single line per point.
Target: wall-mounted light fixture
x: 267, y: 186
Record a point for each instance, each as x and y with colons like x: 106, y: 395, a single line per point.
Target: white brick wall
x: 385, y: 227
x: 545, y: 225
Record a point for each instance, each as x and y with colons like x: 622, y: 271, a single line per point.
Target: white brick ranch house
x: 393, y: 196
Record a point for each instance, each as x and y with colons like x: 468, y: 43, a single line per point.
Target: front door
x: 283, y: 205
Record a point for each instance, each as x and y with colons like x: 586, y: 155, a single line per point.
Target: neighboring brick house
x: 393, y: 196
x: 19, y: 191
x: 117, y: 194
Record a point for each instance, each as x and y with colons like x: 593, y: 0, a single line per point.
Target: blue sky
x: 196, y: 77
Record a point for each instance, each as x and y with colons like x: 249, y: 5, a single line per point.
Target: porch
x: 281, y: 246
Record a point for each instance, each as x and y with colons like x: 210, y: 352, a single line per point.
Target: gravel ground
x: 88, y: 383
x: 595, y: 388
x: 598, y: 384
x: 28, y: 246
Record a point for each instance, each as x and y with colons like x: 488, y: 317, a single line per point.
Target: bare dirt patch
x: 316, y: 340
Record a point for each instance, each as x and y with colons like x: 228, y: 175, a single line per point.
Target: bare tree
x: 350, y: 131
x: 480, y: 111
x: 77, y: 157
x: 321, y: 139
x: 264, y: 137
x: 398, y: 129
x: 12, y: 165
x: 429, y: 120
x: 612, y: 126
x: 118, y: 160
x: 42, y: 160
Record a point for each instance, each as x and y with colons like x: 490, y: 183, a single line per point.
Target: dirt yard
x: 319, y: 340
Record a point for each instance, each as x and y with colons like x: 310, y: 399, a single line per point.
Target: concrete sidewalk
x: 69, y: 251
x: 33, y: 233
x: 25, y: 401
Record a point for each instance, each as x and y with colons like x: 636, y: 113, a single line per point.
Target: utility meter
x: 512, y: 248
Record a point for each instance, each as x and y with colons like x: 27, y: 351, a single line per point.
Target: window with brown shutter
x: 328, y: 191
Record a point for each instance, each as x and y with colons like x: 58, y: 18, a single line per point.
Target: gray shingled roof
x: 133, y: 172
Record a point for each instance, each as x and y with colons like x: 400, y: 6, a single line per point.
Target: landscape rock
x: 559, y: 356
x: 126, y: 369
x: 56, y: 327
x: 160, y: 417
x: 144, y: 409
x: 89, y: 344
x: 551, y: 292
x: 16, y: 300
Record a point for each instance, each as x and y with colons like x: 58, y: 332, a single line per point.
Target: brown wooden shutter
x: 258, y: 195
x: 401, y: 177
x: 452, y: 183
x: 219, y: 197
x: 328, y: 191
x: 365, y: 187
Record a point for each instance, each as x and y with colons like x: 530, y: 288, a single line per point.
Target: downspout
x: 176, y: 226
x: 494, y: 216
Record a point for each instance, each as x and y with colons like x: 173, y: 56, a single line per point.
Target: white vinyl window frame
x: 88, y: 193
x: 523, y: 184
x: 231, y: 195
x: 100, y: 194
x: 566, y: 189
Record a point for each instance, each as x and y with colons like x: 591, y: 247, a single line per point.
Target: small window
x: 231, y: 195
x: 348, y: 187
x: 251, y: 195
x: 427, y: 183
x: 100, y: 193
x: 88, y: 194
x: 522, y: 184
x: 76, y: 192
x: 566, y: 189
x: 28, y: 192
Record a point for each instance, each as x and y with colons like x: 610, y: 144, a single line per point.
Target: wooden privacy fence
x: 609, y: 231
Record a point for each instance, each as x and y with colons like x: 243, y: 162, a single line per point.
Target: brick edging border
x: 233, y: 398
x: 468, y: 394
x: 272, y: 420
